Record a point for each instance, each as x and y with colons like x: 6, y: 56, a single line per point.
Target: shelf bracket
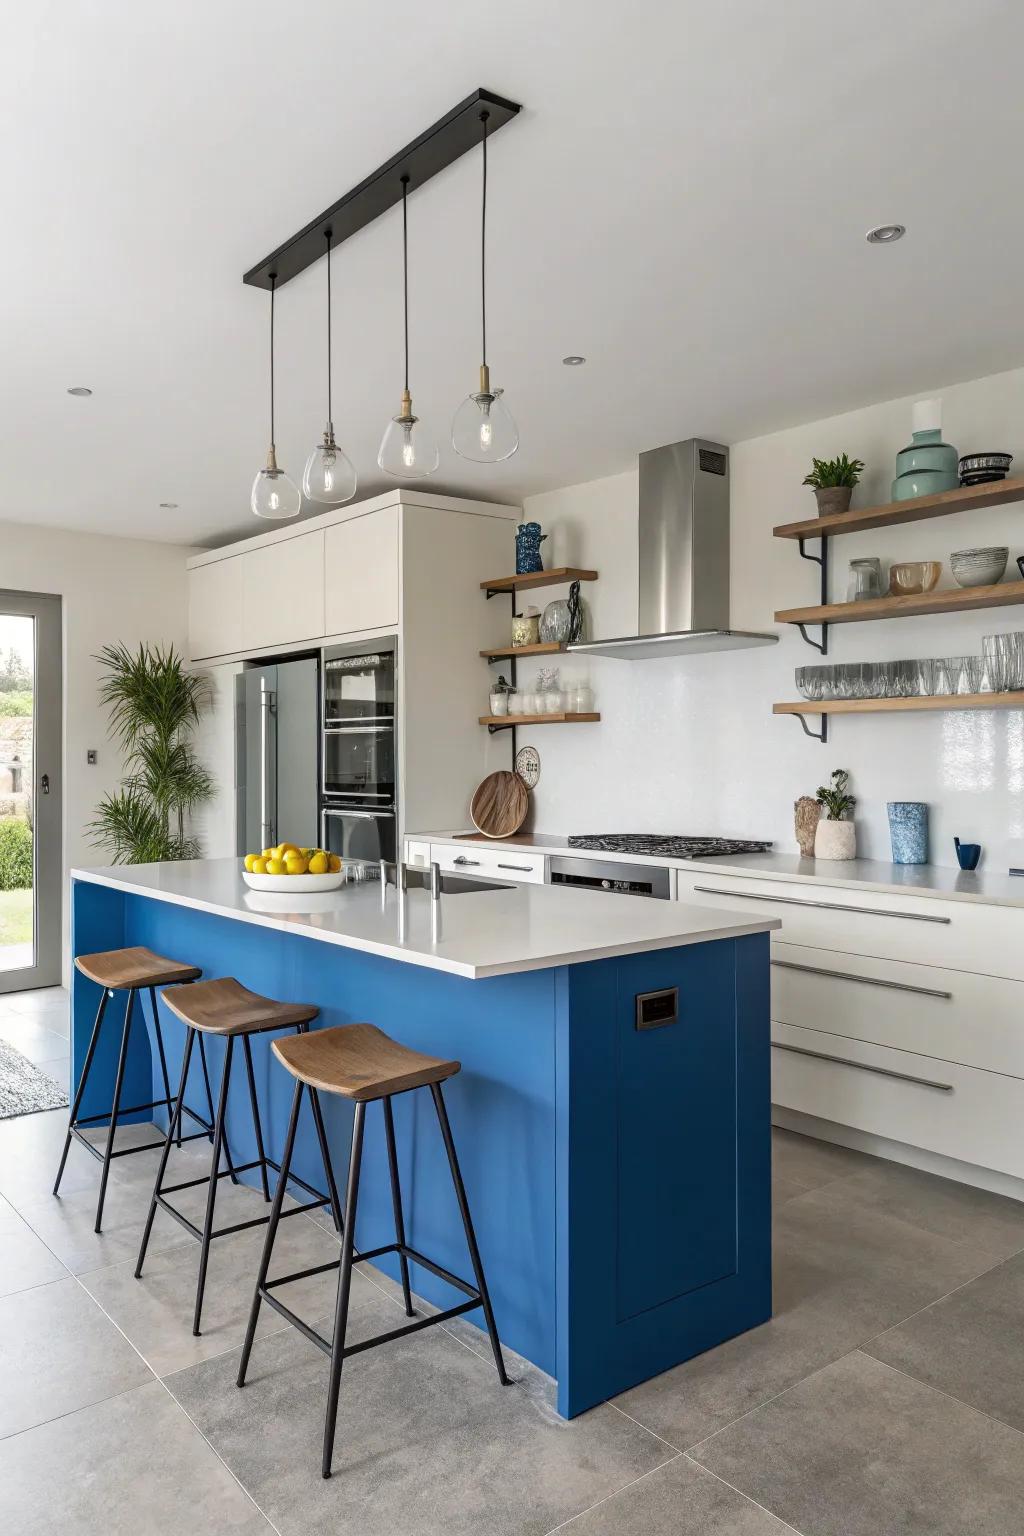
x: 821, y: 735
x: 822, y: 560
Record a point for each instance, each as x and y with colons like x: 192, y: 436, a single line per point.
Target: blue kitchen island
x: 612, y: 1114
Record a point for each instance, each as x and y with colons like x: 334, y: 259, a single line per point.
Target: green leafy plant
x: 15, y: 854
x: 828, y: 473
x: 154, y: 707
x: 834, y: 797
x: 16, y: 704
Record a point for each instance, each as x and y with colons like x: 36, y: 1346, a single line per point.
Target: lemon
x: 335, y: 863
x: 249, y: 858
x: 259, y: 865
x: 268, y: 853
x: 318, y: 864
x: 295, y: 864
x: 276, y: 867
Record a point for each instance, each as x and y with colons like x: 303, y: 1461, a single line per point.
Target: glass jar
x: 865, y: 579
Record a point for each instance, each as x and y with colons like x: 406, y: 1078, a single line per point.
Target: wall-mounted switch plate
x: 90, y: 756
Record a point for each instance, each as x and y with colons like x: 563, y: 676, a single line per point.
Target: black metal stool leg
x: 344, y: 1289
x: 79, y: 1092
x: 257, y: 1126
x: 163, y: 1059
x: 211, y: 1198
x: 396, y: 1201
x: 206, y: 1080
x: 467, y: 1222
x: 321, y: 1136
x: 268, y: 1241
x: 175, y: 1120
x: 122, y: 1062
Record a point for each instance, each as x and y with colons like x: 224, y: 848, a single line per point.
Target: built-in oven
x: 598, y: 875
x: 357, y: 834
x: 359, y: 684
x: 359, y: 760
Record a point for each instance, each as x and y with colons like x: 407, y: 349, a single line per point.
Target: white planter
x: 835, y: 840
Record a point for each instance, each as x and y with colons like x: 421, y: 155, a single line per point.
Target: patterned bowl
x: 979, y: 567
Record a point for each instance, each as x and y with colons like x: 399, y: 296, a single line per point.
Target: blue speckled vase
x: 528, y: 541
x: 908, y: 831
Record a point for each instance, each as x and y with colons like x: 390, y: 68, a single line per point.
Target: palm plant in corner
x: 155, y: 705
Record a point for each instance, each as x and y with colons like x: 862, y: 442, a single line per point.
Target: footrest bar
x: 304, y: 1274
x: 293, y: 1178
x: 296, y: 1322
x: 442, y: 1274
x: 182, y: 1221
x: 413, y: 1327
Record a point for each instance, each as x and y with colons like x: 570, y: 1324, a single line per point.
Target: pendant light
x: 329, y: 477
x: 483, y: 429
x: 274, y: 494
x: 407, y: 450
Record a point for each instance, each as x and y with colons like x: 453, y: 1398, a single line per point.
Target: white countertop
x: 493, y: 932
x: 990, y: 887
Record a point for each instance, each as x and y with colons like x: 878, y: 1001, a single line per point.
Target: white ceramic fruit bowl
x: 296, y: 883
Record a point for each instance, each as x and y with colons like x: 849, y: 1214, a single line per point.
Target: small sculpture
x: 806, y: 815
x: 575, y: 606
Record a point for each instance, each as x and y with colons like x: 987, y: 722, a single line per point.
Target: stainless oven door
x: 358, y: 834
x: 359, y: 763
x: 359, y: 684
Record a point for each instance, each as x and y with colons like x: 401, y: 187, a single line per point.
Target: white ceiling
x: 683, y: 200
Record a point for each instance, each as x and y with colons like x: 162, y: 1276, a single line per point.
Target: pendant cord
x: 273, y: 282
x: 483, y: 250
x: 330, y: 413
x: 405, y: 272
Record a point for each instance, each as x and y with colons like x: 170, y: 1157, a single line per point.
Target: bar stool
x: 361, y: 1063
x: 224, y: 1007
x: 127, y: 970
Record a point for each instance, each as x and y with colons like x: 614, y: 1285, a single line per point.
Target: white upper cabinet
x: 361, y: 573
x: 215, y: 608
x: 283, y: 592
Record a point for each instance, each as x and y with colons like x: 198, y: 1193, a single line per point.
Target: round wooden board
x: 500, y: 804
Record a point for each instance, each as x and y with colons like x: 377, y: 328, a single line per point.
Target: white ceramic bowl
x: 287, y: 883
x: 979, y: 567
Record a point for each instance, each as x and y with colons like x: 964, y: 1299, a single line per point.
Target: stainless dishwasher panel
x: 599, y: 875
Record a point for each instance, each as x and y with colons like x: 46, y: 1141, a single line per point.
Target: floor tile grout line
x: 949, y: 1396
x: 565, y: 1524
x: 689, y: 1450
x: 929, y: 1304
x: 756, y: 1502
x: 646, y: 1428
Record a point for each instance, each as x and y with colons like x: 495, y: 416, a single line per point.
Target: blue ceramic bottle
x: 528, y: 541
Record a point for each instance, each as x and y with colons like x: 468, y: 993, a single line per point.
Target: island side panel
x: 664, y: 1158
x: 501, y: 1105
x: 97, y: 924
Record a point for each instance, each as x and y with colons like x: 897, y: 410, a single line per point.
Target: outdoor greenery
x: 15, y: 854
x: 834, y: 472
x: 16, y: 705
x: 15, y: 676
x: 834, y: 797
x: 15, y: 917
x: 154, y: 707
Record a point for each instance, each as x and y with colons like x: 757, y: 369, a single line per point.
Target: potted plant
x: 835, y: 836
x: 833, y: 481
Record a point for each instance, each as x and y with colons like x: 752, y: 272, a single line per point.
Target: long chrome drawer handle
x: 847, y: 1061
x: 461, y: 859
x: 869, y: 981
x: 829, y: 906
x: 527, y: 867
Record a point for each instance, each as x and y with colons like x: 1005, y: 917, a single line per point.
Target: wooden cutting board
x: 500, y: 804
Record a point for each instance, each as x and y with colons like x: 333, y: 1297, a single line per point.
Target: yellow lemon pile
x: 287, y: 859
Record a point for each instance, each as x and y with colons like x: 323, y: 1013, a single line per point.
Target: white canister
x: 836, y: 840
x: 499, y: 702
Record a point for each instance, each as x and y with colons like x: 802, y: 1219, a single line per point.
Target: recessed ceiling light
x: 79, y: 389
x: 573, y: 360
x: 168, y: 504
x: 885, y: 234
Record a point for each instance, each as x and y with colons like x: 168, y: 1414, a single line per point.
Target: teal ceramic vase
x: 927, y: 465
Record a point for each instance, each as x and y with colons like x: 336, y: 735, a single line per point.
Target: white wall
x: 113, y: 590
x: 691, y: 745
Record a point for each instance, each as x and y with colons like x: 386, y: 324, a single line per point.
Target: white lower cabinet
x: 493, y: 863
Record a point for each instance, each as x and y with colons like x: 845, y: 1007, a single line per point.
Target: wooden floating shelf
x: 548, y: 648
x: 959, y: 600
x: 538, y: 579
x: 966, y: 498
x: 933, y: 702
x: 570, y: 719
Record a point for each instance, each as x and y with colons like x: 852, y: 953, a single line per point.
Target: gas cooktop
x: 667, y: 847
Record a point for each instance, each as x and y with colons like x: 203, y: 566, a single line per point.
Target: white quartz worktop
x: 490, y: 932
x: 990, y: 887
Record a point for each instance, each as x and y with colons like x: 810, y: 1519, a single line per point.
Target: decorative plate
x: 286, y: 883
x: 528, y: 766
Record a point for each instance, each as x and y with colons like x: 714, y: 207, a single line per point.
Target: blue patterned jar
x: 528, y: 541
x: 908, y: 831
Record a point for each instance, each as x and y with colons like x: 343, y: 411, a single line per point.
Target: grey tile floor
x: 884, y: 1398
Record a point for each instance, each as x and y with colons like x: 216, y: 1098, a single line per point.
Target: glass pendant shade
x: 407, y: 449
x: 484, y: 429
x: 274, y: 494
x: 329, y: 477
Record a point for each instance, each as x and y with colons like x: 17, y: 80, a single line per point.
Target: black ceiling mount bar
x: 821, y: 560
x: 434, y: 150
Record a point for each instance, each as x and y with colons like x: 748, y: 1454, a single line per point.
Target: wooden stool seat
x: 359, y: 1061
x: 224, y: 1007
x: 121, y: 969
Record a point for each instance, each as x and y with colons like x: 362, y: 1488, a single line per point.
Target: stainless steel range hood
x: 683, y: 559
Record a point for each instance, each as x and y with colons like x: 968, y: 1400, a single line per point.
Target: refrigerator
x: 277, y: 731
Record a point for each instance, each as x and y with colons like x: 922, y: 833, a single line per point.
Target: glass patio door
x: 30, y: 790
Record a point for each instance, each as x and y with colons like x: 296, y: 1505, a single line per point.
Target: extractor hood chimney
x: 683, y: 559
